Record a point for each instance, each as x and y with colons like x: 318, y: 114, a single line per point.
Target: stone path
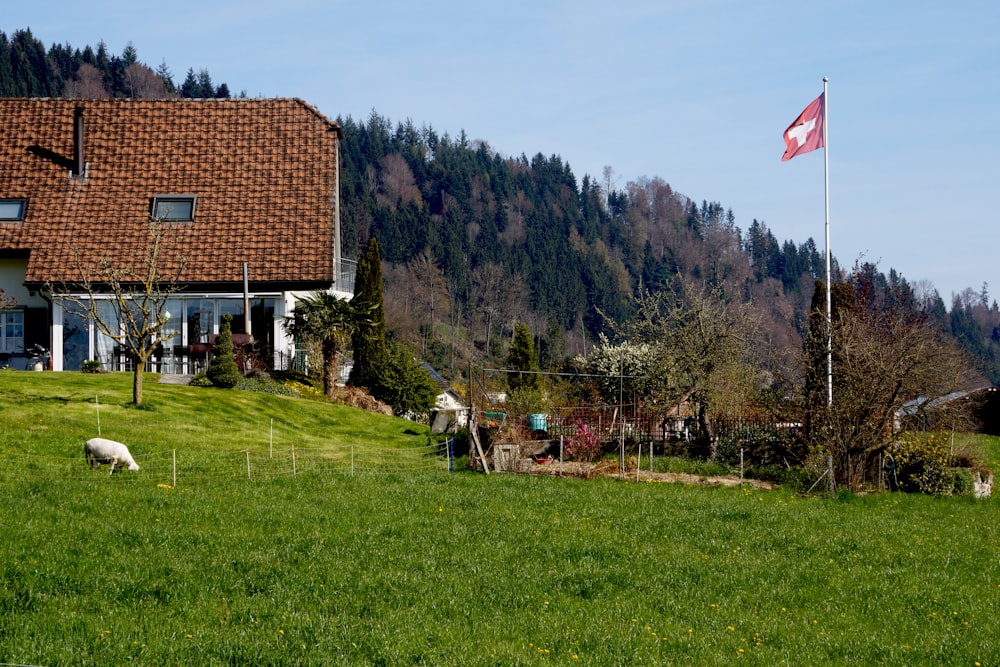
x: 168, y: 378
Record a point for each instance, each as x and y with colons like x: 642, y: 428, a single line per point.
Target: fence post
x: 741, y: 466
x: 293, y: 459
x: 248, y: 463
x: 175, y: 468
x: 833, y: 485
x: 451, y: 455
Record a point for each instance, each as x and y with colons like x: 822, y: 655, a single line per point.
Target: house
x: 247, y: 189
x: 450, y: 413
x: 971, y: 409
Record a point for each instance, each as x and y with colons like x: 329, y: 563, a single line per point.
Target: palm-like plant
x: 327, y: 320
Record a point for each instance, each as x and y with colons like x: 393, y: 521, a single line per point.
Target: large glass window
x: 233, y: 307
x: 76, y: 341
x: 262, y: 326
x: 200, y: 320
x: 171, y: 332
x: 12, y: 331
x: 104, y: 347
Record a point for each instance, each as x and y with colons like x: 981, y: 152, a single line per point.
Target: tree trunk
x: 138, y: 369
x: 137, y: 375
x: 330, y: 368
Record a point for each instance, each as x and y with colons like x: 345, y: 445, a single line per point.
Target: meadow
x: 327, y: 561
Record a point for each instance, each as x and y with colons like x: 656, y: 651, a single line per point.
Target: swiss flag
x: 806, y: 132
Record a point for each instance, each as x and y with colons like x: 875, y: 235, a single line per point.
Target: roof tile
x: 263, y: 171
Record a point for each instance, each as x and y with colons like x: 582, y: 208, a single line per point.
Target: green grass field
x: 396, y: 561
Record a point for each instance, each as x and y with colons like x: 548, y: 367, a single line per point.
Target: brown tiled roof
x: 264, y: 172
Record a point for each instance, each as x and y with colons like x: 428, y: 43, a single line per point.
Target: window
x: 12, y: 331
x: 12, y: 209
x: 174, y: 207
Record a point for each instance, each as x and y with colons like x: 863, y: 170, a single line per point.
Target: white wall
x: 12, y: 281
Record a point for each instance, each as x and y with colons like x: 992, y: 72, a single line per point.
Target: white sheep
x: 102, y: 450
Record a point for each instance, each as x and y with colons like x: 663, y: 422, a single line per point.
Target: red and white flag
x: 806, y: 132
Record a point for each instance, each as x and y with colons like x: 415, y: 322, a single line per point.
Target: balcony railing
x: 347, y: 274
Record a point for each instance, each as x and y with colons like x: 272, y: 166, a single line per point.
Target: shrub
x: 266, y: 385
x: 585, y: 444
x: 92, y: 366
x: 306, y: 390
x: 200, y: 380
x: 223, y: 371
x: 921, y: 463
x: 963, y: 483
x: 405, y: 385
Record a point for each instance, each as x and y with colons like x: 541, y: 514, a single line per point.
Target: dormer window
x: 12, y: 209
x: 178, y: 208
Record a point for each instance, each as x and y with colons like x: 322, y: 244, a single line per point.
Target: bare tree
x: 136, y: 290
x: 397, y: 186
x: 887, y: 355
x: 429, y: 293
x: 87, y: 84
x: 497, y: 297
x: 143, y: 83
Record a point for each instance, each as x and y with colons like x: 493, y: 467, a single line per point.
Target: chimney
x: 79, y: 166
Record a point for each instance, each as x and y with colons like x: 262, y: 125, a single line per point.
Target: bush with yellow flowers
x: 921, y: 462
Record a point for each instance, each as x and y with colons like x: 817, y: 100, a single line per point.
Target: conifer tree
x: 368, y: 338
x: 223, y: 371
x: 522, y: 358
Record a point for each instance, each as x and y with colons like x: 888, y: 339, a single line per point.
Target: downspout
x: 246, y: 302
x: 336, y: 213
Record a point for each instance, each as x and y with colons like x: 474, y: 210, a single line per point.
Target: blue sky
x: 696, y: 92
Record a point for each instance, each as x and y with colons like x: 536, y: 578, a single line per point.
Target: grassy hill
x: 396, y: 561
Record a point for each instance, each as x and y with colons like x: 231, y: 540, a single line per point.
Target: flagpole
x: 829, y: 291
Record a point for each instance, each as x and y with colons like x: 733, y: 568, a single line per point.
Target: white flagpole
x: 829, y: 292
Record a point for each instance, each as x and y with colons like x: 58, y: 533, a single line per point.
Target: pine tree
x: 522, y: 358
x: 368, y: 338
x: 190, y: 88
x: 163, y: 71
x: 8, y: 85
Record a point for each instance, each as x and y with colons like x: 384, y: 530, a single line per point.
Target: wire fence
x: 179, y: 467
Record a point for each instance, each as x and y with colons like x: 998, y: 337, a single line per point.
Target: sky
x: 695, y: 92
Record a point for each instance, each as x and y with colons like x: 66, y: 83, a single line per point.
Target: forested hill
x: 517, y: 238
x: 28, y: 69
x: 475, y: 241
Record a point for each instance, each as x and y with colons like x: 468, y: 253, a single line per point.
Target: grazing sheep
x: 102, y: 450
